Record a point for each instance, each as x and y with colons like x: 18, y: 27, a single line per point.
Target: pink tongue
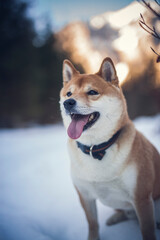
x: 75, y: 128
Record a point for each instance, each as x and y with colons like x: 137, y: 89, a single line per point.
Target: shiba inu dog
x: 110, y: 160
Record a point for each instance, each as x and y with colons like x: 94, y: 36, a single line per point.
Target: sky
x: 61, y: 12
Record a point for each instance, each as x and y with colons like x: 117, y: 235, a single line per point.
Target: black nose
x: 69, y: 104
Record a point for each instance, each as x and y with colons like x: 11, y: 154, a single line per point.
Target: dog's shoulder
x: 147, y: 161
x: 143, y: 151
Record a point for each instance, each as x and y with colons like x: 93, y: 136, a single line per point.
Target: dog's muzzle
x: 69, y: 104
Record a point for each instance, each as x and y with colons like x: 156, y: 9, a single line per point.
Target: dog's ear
x: 68, y: 71
x: 108, y: 72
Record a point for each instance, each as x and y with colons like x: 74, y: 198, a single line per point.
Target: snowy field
x: 37, y: 199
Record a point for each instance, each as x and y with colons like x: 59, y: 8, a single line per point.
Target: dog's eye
x: 69, y: 94
x: 92, y: 92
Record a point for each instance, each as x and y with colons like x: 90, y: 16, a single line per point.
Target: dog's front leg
x: 145, y: 213
x: 89, y: 206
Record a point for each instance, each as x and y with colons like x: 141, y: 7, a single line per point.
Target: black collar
x: 98, y: 151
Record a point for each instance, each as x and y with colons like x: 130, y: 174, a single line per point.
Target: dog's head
x: 92, y: 105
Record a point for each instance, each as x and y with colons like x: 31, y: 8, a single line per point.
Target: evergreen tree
x: 29, y: 76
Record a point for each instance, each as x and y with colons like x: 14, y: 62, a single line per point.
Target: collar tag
x: 90, y: 150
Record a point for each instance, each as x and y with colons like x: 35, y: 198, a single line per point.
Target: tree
x: 151, y: 29
x: 29, y: 76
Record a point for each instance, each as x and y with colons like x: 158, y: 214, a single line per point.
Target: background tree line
x: 31, y: 73
x: 30, y: 76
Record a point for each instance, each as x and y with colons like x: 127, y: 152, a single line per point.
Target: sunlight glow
x: 97, y: 22
x: 85, y: 51
x: 127, y: 42
x: 126, y: 15
x: 122, y: 71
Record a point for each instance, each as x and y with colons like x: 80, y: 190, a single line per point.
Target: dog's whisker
x: 108, y: 118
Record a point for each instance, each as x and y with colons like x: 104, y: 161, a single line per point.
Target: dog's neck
x: 98, y: 151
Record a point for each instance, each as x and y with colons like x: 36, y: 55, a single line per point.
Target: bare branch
x: 147, y: 28
x: 154, y: 51
x: 151, y: 30
x: 158, y: 58
x: 151, y: 8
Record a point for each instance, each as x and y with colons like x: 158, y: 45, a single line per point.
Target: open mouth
x: 80, y: 123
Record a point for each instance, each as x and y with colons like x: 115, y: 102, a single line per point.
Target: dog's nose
x: 69, y: 104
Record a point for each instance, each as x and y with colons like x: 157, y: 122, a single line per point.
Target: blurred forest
x: 31, y: 65
x: 30, y: 76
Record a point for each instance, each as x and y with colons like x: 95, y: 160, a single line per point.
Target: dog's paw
x: 117, y: 217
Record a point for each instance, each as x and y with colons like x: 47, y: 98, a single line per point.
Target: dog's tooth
x: 91, y: 117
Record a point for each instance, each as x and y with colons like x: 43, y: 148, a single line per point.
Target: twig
x: 151, y: 8
x: 151, y: 30
x: 158, y: 58
x: 147, y: 28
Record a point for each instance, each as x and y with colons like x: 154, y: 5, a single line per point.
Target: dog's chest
x: 112, y: 194
x: 109, y: 180
x: 85, y: 167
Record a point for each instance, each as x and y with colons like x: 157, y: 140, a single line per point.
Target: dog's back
x: 110, y: 160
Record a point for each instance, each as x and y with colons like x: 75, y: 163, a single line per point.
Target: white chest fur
x: 113, y: 194
x: 110, y: 180
x: 117, y: 193
x: 87, y: 168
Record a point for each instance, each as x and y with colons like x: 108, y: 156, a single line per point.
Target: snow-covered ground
x: 37, y: 199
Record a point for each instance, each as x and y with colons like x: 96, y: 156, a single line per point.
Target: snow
x: 37, y: 198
